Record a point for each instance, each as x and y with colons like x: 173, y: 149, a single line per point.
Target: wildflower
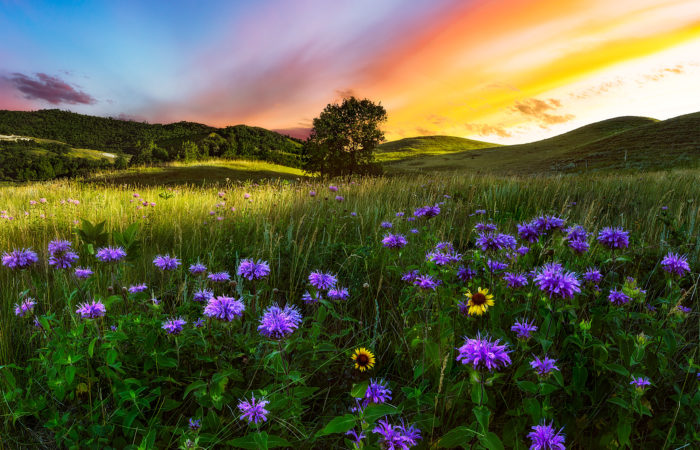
x: 219, y: 277
x: 426, y: 282
x: 483, y: 353
x: 576, y: 233
x: 19, y: 259
x: 522, y: 250
x: 386, y: 225
x: 394, y: 241
x: 338, y: 293
x: 339, y: 198
x: 682, y: 310
x: 555, y: 281
x: 479, y: 301
x: 414, y: 231
x: 515, y: 280
x: 61, y: 255
x: 545, y: 437
x: 137, y: 288
x: 465, y: 273
x: 26, y: 306
x: 490, y: 241
x: 253, y: 270
x: 543, y: 366
x: 202, y: 295
x: 246, y: 196
x: 322, y: 281
x: 199, y: 323
x: 400, y: 214
x: 523, y: 330
x: 484, y: 227
x: 83, y: 273
x: 579, y: 246
x: 675, y: 264
x: 253, y: 411
x: 377, y: 392
x: 278, y: 323
x: 110, y: 254
x: 495, y: 266
x: 333, y: 188
x: 113, y: 328
x: 224, y: 308
x: 310, y: 299
x: 640, y: 383
x: 410, y: 276
x: 174, y: 326
x: 395, y: 437
x: 356, y: 438
x: 427, y: 211
x: 614, y: 238
x: 463, y: 307
x: 592, y: 275
x: 618, y: 298
x: 195, y: 424
x: 92, y: 310
x: 480, y: 212
x: 197, y: 269
x: 166, y: 262
x: 545, y: 224
x: 364, y: 359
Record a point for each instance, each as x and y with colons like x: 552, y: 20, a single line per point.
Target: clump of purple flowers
x: 545, y: 437
x: 675, y: 264
x: 515, y: 280
x: 253, y: 270
x: 495, y: 266
x: 556, y: 282
x: 491, y: 241
x: 322, y: 281
x: 427, y: 211
x: 195, y: 424
x: 61, y: 255
x: 579, y: 246
x: 482, y: 227
x: 544, y: 366
x: 311, y: 299
x: 83, y: 273
x: 219, y: 277
x: 523, y: 330
x: 24, y: 307
x: 410, y: 276
x: 528, y: 232
x: 278, y: 323
x: 386, y: 225
x: 137, y: 288
x: 92, y: 310
x: 426, y: 282
x: 110, y: 254
x: 197, y: 269
x: 377, y: 392
x: 614, y: 238
x: 396, y: 436
x: 640, y: 383
x: 224, y: 308
x: 394, y: 241
x: 465, y: 273
x: 253, y: 410
x: 483, y: 353
x: 174, y: 326
x: 202, y: 295
x: 592, y: 275
x: 545, y: 224
x: 19, y: 259
x: 576, y: 233
x: 338, y: 293
x: 166, y: 262
x: 618, y: 298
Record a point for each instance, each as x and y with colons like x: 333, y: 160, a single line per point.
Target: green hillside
x: 619, y: 143
x: 426, y: 146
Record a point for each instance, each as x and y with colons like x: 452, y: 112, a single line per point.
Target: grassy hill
x: 613, y: 144
x: 426, y: 146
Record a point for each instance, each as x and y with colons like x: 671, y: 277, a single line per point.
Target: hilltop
x: 619, y: 143
x: 426, y: 146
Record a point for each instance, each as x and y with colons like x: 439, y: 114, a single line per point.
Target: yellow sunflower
x: 364, y: 359
x: 479, y: 301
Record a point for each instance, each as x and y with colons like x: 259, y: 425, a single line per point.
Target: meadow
x: 384, y: 336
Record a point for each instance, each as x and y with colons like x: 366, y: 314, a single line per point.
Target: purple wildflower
x: 83, y: 273
x: 545, y: 224
x: 174, y: 326
x: 465, y: 273
x: 463, y: 308
x: 338, y: 293
x: 92, y: 310
x: 555, y: 281
x: 311, y: 299
x: 482, y: 227
x: 675, y: 264
x: 640, y: 383
x: 110, y: 254
x: 528, y: 232
x: 199, y: 323
x: 312, y: 193
x: 202, y: 295
x: 339, y: 198
x: 19, y: 259
x: 415, y: 230
x: 522, y: 250
x: 545, y: 437
x: 400, y: 214
x: 426, y: 282
x: 427, y: 211
x: 278, y: 323
x: 322, y: 281
x: 61, y: 255
x: 523, y: 330
x: 495, y: 266
x: 219, y: 277
x: 356, y: 438
x: 410, y: 276
x: 543, y: 366
x: 333, y: 188
x: 614, y: 238
x: 377, y: 392
x: 195, y: 424
x: 592, y: 275
x: 197, y: 269
x: 224, y: 308
x: 483, y: 353
x: 394, y: 241
x: 579, y: 246
x: 618, y: 298
x: 253, y: 270
x: 515, y: 280
x: 253, y: 411
x: 26, y: 306
x: 166, y: 262
x: 576, y: 233
x: 137, y: 288
x: 386, y: 225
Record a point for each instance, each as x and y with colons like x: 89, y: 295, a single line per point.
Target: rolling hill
x: 613, y: 144
x: 426, y: 146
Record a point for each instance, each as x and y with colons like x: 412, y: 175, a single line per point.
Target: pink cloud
x: 50, y: 89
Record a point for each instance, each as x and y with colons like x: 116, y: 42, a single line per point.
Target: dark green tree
x: 344, y: 137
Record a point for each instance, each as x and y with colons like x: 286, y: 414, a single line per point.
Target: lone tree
x: 344, y: 137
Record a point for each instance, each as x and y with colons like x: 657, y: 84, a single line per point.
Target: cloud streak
x: 49, y: 89
x: 542, y: 111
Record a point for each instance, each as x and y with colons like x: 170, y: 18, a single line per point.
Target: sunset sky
x: 506, y: 71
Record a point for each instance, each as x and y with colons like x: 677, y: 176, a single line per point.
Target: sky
x: 504, y: 71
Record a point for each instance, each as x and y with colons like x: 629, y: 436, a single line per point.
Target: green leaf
x: 624, y: 429
x: 580, y: 374
x: 456, y: 437
x: 91, y: 347
x: 358, y: 390
x: 482, y: 414
x: 618, y: 369
x: 528, y: 386
x: 374, y: 412
x: 70, y: 374
x: 619, y: 402
x: 339, y: 424
x: 199, y: 384
x: 532, y: 407
x: 547, y: 388
x: 491, y: 441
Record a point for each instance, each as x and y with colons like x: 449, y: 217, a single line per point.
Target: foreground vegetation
x: 134, y: 378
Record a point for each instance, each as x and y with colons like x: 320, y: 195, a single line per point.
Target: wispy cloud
x: 542, y: 111
x: 50, y: 89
